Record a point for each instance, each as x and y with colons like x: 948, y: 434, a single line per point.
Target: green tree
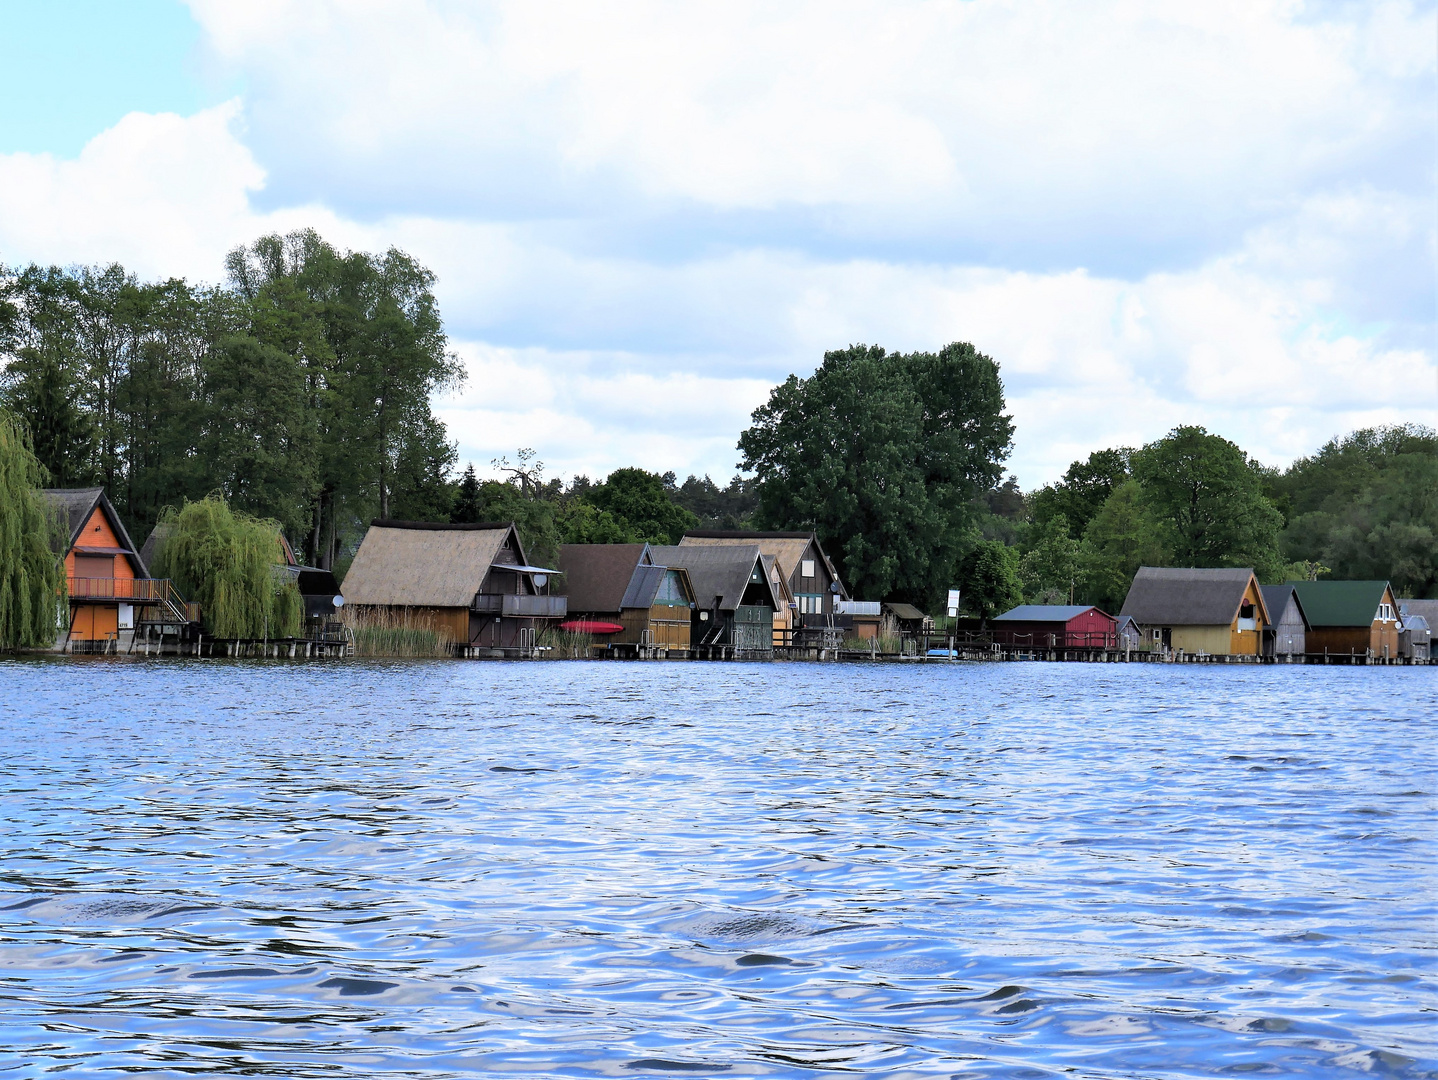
x: 1085, y: 487
x: 1122, y: 536
x: 43, y: 390
x: 467, y: 508
x: 32, y: 577
x: 259, y: 438
x: 228, y: 561
x: 1366, y: 505
x: 885, y: 456
x: 1049, y: 570
x: 989, y: 573
x: 1208, y: 496
x: 730, y: 507
x: 639, y: 501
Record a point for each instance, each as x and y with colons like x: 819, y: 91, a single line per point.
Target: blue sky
x: 644, y: 216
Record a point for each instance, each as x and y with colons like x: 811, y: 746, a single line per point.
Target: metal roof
x: 1340, y: 603
x: 1044, y: 613
x: 1184, y: 596
x: 1428, y: 609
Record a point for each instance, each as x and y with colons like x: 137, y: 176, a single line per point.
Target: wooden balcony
x: 528, y: 607
x: 129, y: 590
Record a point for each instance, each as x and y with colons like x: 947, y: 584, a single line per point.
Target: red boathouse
x: 1056, y: 626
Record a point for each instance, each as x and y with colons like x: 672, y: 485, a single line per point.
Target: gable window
x: 1246, y: 619
x: 806, y: 568
x: 1385, y: 612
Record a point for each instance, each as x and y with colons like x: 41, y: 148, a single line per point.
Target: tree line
x: 300, y: 391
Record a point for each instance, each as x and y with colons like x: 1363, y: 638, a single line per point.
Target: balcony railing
x: 134, y: 590
x: 532, y: 607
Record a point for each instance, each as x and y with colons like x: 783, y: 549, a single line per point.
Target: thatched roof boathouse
x: 470, y: 583
x: 1218, y: 612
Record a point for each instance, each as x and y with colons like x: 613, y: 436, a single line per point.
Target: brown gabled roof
x: 75, y: 505
x: 423, y: 564
x: 787, y: 547
x: 596, y: 576
x: 1182, y: 596
x: 719, y: 571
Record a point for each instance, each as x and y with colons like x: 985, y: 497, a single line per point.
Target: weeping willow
x: 32, y: 575
x: 232, y: 564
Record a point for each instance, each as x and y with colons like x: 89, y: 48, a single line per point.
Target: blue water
x: 563, y: 869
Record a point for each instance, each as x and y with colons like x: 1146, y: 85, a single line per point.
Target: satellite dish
x: 339, y: 601
x: 539, y: 580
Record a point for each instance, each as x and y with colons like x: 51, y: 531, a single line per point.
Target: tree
x: 1208, y: 496
x: 32, y: 577
x: 226, y: 561
x: 638, y: 500
x: 730, y: 507
x: 259, y: 438
x: 1084, y: 488
x: 1049, y: 570
x: 1122, y: 536
x: 884, y: 455
x: 989, y: 573
x: 44, y: 390
x: 1366, y: 505
x: 467, y: 506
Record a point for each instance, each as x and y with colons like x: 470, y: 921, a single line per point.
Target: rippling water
x: 559, y: 869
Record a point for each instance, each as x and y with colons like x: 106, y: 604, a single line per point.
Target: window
x: 806, y: 568
x: 1385, y: 612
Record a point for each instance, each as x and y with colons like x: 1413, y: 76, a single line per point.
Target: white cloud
x: 642, y: 217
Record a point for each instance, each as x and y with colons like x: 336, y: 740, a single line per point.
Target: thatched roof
x: 421, y: 564
x: 1180, y: 596
x: 723, y: 571
x: 597, y: 576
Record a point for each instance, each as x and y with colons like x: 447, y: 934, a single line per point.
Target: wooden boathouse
x: 735, y: 600
x: 629, y: 604
x: 1352, y: 619
x: 1198, y: 611
x: 812, y: 581
x: 469, y: 583
x: 1055, y: 626
x: 110, y: 588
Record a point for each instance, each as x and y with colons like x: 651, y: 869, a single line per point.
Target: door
x: 754, y: 628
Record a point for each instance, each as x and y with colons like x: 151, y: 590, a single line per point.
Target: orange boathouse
x: 107, y: 578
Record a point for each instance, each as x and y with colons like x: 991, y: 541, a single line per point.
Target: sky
x: 644, y: 215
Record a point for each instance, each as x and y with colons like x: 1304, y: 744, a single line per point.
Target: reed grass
x: 384, y: 632
x: 563, y: 645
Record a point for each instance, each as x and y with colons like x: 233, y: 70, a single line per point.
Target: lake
x: 446, y: 869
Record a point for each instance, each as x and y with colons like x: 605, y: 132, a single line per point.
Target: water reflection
x: 445, y: 870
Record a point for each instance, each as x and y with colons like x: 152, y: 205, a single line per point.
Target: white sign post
x: 953, y: 604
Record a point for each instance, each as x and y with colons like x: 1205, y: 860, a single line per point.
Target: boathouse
x: 618, y: 594
x: 470, y: 583
x: 735, y: 600
x: 1287, y: 635
x: 108, y: 582
x: 812, y: 580
x: 1219, y: 612
x: 1356, y: 618
x: 1055, y: 626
